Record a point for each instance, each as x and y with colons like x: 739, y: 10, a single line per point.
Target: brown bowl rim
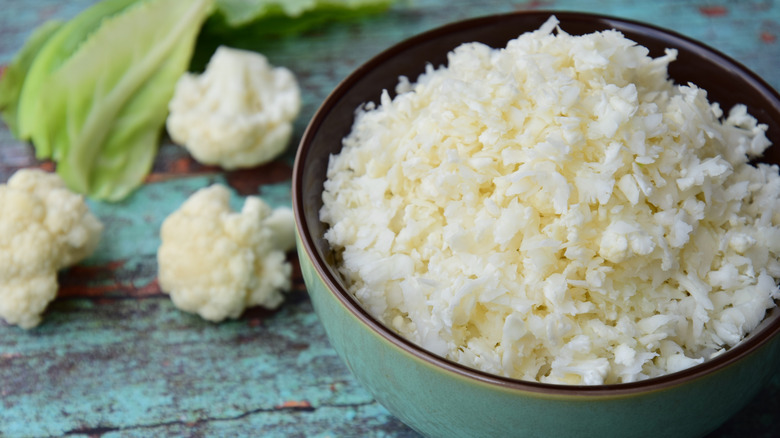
x: 748, y: 346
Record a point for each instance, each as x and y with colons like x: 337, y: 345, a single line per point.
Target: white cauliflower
x: 216, y: 262
x: 238, y: 113
x: 44, y: 227
x: 557, y: 210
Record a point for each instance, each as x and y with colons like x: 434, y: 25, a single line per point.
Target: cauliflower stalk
x: 216, y: 262
x: 238, y: 113
x: 44, y: 227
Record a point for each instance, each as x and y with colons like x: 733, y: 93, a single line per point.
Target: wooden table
x: 114, y: 357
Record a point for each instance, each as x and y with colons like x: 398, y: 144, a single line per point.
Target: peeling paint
x: 713, y: 10
x: 115, y: 358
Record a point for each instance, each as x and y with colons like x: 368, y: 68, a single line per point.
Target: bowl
x: 438, y: 397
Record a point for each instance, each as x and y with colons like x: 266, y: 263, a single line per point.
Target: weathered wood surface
x: 114, y: 357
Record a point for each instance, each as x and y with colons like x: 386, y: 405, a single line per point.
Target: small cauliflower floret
x: 238, y: 113
x: 216, y: 262
x: 44, y: 227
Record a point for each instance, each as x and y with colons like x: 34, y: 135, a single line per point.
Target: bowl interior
x: 726, y: 81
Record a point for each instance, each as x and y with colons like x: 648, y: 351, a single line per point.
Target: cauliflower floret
x: 238, y: 113
x: 216, y: 262
x: 44, y: 227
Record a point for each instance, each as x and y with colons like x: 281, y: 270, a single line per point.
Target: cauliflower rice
x: 557, y: 211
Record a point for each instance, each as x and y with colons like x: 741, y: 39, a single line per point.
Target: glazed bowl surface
x: 438, y: 397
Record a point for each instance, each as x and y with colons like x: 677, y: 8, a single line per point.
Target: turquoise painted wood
x: 114, y: 357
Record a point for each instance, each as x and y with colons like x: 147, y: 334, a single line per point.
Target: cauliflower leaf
x: 55, y: 50
x: 233, y: 14
x: 14, y: 75
x: 95, y: 99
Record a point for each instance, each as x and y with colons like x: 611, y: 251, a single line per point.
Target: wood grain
x: 114, y: 357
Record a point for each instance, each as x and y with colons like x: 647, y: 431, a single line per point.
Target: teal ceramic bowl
x: 440, y: 398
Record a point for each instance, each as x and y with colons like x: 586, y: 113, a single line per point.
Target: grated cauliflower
x: 238, y: 113
x: 44, y: 227
x: 216, y: 262
x: 559, y: 211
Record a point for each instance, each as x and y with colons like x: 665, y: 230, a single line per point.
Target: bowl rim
x: 752, y: 343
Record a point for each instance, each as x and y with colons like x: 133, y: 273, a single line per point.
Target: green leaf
x: 240, y: 12
x: 13, y: 78
x: 249, y: 24
x: 58, y: 48
x: 105, y: 106
x: 296, y: 13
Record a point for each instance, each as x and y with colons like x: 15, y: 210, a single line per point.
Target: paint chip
x: 713, y: 11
